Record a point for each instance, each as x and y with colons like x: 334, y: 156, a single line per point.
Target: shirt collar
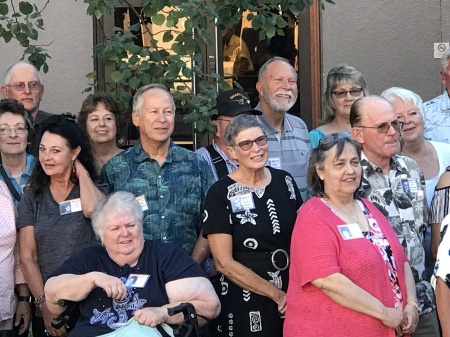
x: 370, y: 168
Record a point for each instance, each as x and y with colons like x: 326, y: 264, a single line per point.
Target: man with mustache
x: 23, y: 83
x: 287, y: 135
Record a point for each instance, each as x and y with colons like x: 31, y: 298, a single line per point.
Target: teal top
x: 314, y: 137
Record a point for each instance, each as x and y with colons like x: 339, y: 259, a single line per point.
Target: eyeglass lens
x: 246, y: 145
x: 18, y: 128
x: 353, y: 92
x: 20, y: 86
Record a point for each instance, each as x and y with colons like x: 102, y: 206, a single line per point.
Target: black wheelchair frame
x: 190, y: 321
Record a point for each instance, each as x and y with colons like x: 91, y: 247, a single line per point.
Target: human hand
x: 394, y: 318
x: 151, y: 316
x: 411, y: 319
x: 280, y: 299
x: 48, y: 316
x: 78, y: 168
x: 23, y: 311
x: 113, y: 286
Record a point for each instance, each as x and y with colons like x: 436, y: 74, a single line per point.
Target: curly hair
x: 64, y: 126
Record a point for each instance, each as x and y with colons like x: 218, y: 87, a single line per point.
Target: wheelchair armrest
x: 63, y: 317
x: 190, y: 318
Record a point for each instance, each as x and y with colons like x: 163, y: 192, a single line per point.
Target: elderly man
x: 230, y: 103
x: 396, y: 185
x: 169, y: 182
x: 437, y: 110
x: 287, y: 135
x: 23, y: 83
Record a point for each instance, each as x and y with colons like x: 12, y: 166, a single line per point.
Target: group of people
x: 130, y: 233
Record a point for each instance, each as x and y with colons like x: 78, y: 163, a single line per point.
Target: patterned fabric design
x: 174, y: 192
x: 440, y: 205
x: 442, y: 267
x: 437, y: 119
x: 401, y: 198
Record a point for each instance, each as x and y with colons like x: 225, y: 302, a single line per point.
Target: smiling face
x: 156, y: 120
x: 342, y: 105
x: 342, y: 175
x: 13, y: 143
x: 101, y: 125
x: 30, y: 99
x: 254, y: 158
x: 56, y: 156
x: 122, y: 237
x: 413, y: 124
x: 278, y: 87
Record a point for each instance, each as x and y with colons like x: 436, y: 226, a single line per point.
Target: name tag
x: 274, y: 162
x: 350, y: 231
x: 137, y: 280
x: 70, y: 206
x: 242, y: 202
x: 409, y: 185
x: 142, y: 202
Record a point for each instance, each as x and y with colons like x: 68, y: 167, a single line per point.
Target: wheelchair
x: 189, y: 324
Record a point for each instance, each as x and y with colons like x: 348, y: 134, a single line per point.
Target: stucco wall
x: 70, y: 32
x: 389, y: 41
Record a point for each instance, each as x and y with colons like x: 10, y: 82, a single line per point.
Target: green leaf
x: 149, y: 11
x: 25, y: 7
x: 4, y: 9
x: 134, y: 83
x: 116, y: 76
x: 158, y: 19
x: 167, y: 36
x: 7, y: 36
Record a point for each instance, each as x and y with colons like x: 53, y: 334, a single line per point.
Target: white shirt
x: 437, y: 119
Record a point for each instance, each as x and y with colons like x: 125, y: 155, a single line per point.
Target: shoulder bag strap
x: 8, y: 183
x: 217, y: 160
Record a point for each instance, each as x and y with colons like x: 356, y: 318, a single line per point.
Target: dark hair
x: 64, y: 125
x: 317, y: 158
x: 15, y: 107
x: 355, y: 112
x: 90, y: 104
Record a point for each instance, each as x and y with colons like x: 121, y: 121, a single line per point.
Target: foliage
x: 186, y: 26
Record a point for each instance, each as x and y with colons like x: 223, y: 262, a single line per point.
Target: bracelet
x: 39, y: 301
x: 415, y: 305
x: 24, y: 298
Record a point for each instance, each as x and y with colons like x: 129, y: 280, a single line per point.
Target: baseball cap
x: 234, y: 102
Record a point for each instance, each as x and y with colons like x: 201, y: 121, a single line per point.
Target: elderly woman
x: 54, y: 212
x: 345, y: 85
x: 433, y: 159
x: 249, y: 217
x: 11, y: 277
x: 128, y: 277
x: 349, y: 275
x: 15, y: 131
x: 100, y: 117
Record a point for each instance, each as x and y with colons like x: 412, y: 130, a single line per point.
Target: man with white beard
x: 287, y: 135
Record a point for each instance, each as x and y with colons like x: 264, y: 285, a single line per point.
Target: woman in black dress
x: 249, y: 217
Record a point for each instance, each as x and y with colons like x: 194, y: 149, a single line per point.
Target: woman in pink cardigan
x: 349, y: 275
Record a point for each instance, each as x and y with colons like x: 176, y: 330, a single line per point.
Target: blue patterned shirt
x: 174, y: 192
x: 31, y: 161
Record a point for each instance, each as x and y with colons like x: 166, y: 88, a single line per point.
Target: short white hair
x: 18, y: 65
x: 445, y: 58
x: 405, y: 95
x: 137, y: 99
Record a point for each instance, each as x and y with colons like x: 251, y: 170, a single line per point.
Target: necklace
x: 18, y: 175
x: 361, y: 224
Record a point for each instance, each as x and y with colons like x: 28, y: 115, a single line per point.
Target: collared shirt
x: 437, y: 119
x: 289, y: 149
x: 205, y: 154
x: 31, y: 161
x: 401, y: 197
x: 174, y: 192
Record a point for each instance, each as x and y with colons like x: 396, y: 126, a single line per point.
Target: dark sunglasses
x: 333, y: 137
x: 384, y: 128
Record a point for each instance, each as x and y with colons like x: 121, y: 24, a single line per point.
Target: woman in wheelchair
x: 128, y: 276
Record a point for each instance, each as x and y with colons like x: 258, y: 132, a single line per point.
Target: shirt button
x: 161, y: 196
x: 159, y: 177
x: 163, y: 217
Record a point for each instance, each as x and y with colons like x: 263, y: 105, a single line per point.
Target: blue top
x: 174, y: 192
x: 314, y: 137
x: 31, y: 161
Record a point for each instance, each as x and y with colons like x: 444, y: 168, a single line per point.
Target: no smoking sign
x: 440, y: 48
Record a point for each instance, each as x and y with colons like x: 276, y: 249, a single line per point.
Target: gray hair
x: 342, y: 73
x: 405, y: 95
x: 263, y: 69
x: 239, y: 124
x: 18, y: 65
x: 356, y: 111
x: 137, y: 99
x: 445, y: 58
x: 116, y: 203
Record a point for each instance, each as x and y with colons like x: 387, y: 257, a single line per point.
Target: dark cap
x: 234, y: 102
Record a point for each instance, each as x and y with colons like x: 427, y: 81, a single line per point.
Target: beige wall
x: 389, y: 41
x: 70, y: 32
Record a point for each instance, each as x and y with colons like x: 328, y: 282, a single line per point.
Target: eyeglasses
x: 20, y: 86
x: 354, y: 92
x: 5, y: 129
x: 333, y: 137
x: 224, y: 120
x: 246, y: 145
x: 384, y: 128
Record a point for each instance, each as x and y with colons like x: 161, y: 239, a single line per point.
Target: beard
x: 279, y: 106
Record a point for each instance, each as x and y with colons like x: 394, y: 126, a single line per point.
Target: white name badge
x: 274, y: 162
x: 142, y: 202
x: 70, y: 206
x: 242, y: 202
x: 137, y: 280
x: 350, y: 231
x: 409, y: 185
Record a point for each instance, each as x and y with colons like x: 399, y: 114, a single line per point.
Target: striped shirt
x: 205, y: 154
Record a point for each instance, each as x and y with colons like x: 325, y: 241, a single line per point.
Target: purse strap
x: 8, y: 183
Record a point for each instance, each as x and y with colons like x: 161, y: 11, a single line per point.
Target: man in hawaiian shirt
x: 396, y: 185
x: 169, y: 182
x: 437, y: 110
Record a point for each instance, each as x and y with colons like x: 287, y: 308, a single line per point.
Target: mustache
x: 285, y: 92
